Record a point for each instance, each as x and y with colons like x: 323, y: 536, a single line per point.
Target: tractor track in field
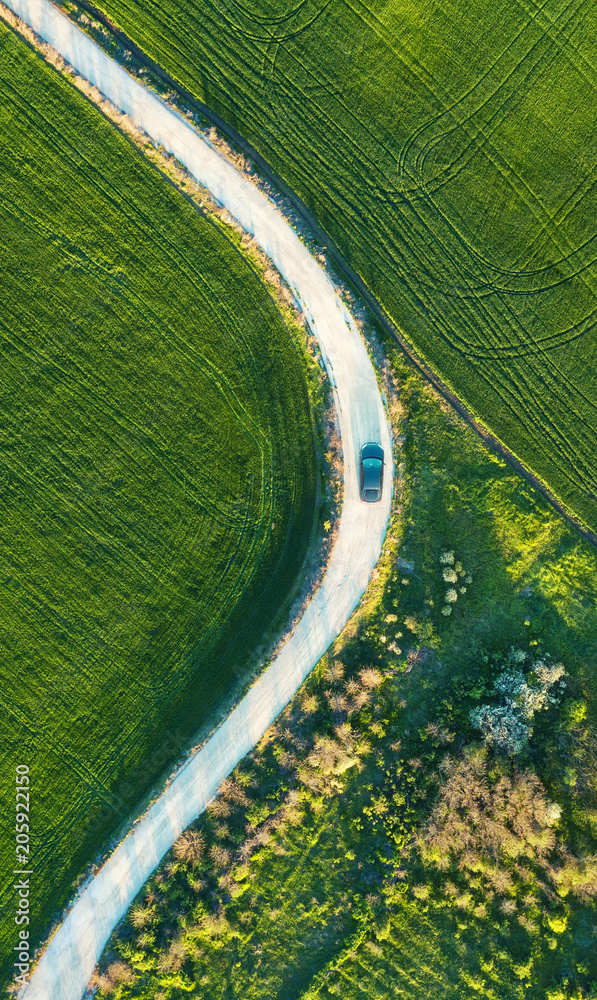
x: 67, y: 963
x: 345, y: 271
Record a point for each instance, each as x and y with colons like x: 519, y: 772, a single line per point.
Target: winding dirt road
x: 66, y: 966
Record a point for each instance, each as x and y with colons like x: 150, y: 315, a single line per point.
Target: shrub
x: 309, y: 704
x: 190, y: 847
x: 220, y: 856
x: 359, y: 701
x: 482, y: 822
x: 575, y: 712
x: 336, y: 701
x: 557, y: 924
x: 334, y: 673
x: 234, y: 792
x: 116, y: 973
x: 577, y: 875
x: 370, y: 678
x: 142, y: 916
x: 219, y: 808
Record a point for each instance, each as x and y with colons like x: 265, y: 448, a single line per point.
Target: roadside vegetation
x: 449, y: 153
x: 158, y: 480
x: 421, y: 821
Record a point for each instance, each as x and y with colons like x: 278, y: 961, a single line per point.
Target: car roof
x: 372, y: 450
x: 372, y: 477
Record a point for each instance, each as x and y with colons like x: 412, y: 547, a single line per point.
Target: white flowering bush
x: 450, y: 576
x: 451, y: 596
x: 507, y: 726
x: 446, y: 610
x: 446, y: 558
x: 503, y: 727
x: 549, y: 673
x: 510, y: 683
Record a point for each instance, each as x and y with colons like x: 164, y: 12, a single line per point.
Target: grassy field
x: 450, y: 154
x: 302, y: 881
x: 157, y: 476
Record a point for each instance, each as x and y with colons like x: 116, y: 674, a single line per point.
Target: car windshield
x: 372, y: 450
x: 371, y: 494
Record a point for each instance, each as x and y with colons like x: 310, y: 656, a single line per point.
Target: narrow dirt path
x: 65, y: 967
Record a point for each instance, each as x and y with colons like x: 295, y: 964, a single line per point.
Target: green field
x: 305, y: 884
x: 449, y: 151
x: 157, y: 473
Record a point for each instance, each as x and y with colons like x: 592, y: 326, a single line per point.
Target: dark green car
x: 371, y: 472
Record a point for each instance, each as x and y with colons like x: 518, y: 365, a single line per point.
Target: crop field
x: 157, y: 474
x: 302, y: 880
x: 449, y: 151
